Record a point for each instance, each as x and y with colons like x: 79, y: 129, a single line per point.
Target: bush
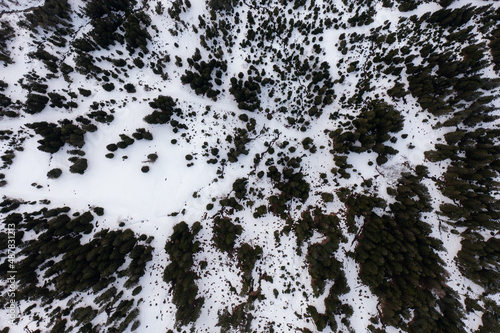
x: 260, y: 211
x: 108, y: 86
x: 136, y: 291
x: 130, y: 88
x: 54, y: 136
x: 84, y: 92
x: 327, y: 197
x: 247, y: 257
x: 79, y: 166
x: 54, y: 173
x: 99, y: 211
x: 35, y: 103
x: 112, y: 147
x: 240, y: 188
x: 152, y: 157
x: 138, y: 63
x: 141, y: 133
x: 222, y: 5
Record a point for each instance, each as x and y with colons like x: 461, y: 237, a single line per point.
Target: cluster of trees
x: 222, y: 5
x: 167, y: 110
x: 55, y: 136
x: 362, y: 17
x: 142, y: 133
x: 246, y: 92
x: 54, y: 173
x: 320, y: 88
x: 79, y: 165
x: 6, y: 34
x: 455, y: 78
x: 54, y: 17
x: 333, y: 306
x: 240, y: 188
x: 370, y: 130
x: 494, y: 44
x: 239, y: 319
x: 181, y: 248
x: 56, y: 264
x: 92, y: 265
x: 5, y: 101
x: 37, y: 98
x: 290, y: 182
x: 101, y: 116
x: 462, y: 96
x: 9, y: 154
x: 225, y: 233
x: 323, y: 266
x: 201, y: 80
x: 53, y: 14
x: 406, y: 6
x: 157, y: 67
x: 231, y: 202
x: 453, y: 18
x: 240, y: 140
x: 293, y: 185
x: 247, y: 257
x: 106, y: 19
x: 85, y: 64
x: 470, y: 181
x: 240, y: 191
x: 308, y: 223
x: 178, y: 6
x: 136, y: 33
x: 478, y: 260
x: 314, y: 89
x: 459, y: 93
x: 122, y: 144
x: 112, y: 21
x: 398, y: 259
x: 35, y: 103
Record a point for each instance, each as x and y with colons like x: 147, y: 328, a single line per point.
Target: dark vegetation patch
x: 55, y: 264
x: 181, y: 247
x: 55, y: 136
x: 396, y: 253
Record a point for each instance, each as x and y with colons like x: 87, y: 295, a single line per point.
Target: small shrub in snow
x: 152, y: 157
x: 84, y: 92
x: 79, y: 166
x: 99, y: 211
x: 130, y: 88
x: 108, y: 86
x: 112, y: 147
